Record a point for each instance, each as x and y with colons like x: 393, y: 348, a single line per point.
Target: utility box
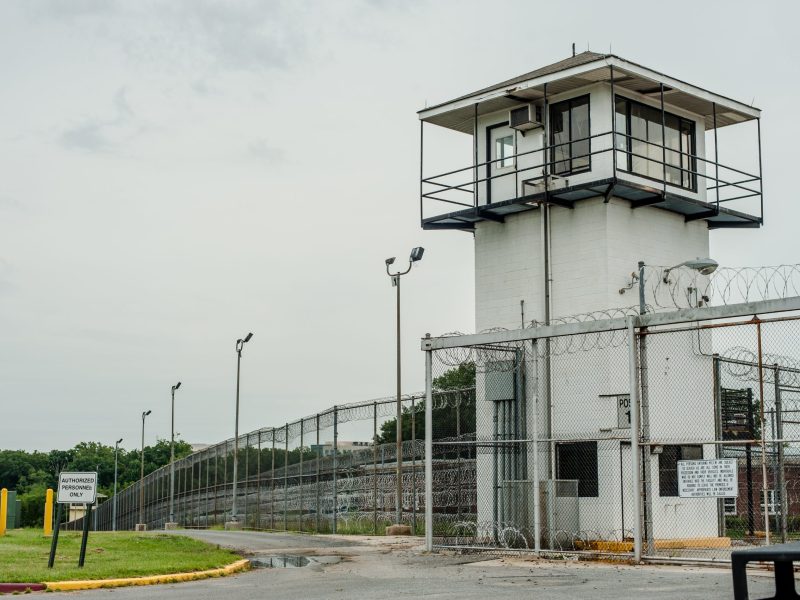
x: 13, y: 517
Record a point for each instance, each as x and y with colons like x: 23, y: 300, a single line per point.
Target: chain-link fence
x: 669, y: 436
x: 332, y: 472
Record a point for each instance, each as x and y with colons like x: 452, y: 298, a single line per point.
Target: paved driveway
x: 391, y: 568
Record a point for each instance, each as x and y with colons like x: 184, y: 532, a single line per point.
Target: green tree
x: 456, y: 415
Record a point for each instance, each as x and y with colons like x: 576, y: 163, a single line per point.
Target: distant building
x: 326, y: 449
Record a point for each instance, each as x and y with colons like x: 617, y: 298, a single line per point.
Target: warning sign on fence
x: 715, y: 478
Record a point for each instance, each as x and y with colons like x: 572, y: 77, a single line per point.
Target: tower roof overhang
x: 579, y: 71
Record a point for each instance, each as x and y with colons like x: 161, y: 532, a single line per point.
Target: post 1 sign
x: 77, y: 488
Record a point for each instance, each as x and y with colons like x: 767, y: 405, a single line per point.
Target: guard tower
x: 579, y: 170
x: 576, y: 172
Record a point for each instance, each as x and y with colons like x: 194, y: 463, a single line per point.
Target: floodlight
x: 389, y: 261
x: 119, y: 441
x: 704, y: 266
x: 416, y: 253
x: 146, y: 413
x: 177, y: 385
x: 249, y: 335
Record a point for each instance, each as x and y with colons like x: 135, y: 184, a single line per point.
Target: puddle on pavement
x: 279, y: 561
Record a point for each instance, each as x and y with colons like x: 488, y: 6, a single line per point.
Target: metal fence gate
x: 670, y: 435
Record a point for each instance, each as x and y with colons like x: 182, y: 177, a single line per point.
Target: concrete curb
x: 92, y: 584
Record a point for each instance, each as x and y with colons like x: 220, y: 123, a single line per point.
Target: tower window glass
x: 504, y: 152
x: 569, y: 136
x: 649, y: 148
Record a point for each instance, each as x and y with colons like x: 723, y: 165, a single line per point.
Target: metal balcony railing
x: 465, y: 190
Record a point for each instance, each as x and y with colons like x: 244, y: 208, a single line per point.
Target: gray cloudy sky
x: 177, y: 173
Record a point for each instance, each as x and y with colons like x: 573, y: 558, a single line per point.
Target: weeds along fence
x: 657, y: 436
x: 332, y: 472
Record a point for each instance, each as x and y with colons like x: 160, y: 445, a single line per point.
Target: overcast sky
x: 178, y: 173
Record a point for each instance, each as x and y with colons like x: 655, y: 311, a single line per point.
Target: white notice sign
x: 716, y: 478
x: 77, y: 488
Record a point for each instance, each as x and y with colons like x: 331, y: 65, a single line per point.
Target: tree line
x: 31, y: 473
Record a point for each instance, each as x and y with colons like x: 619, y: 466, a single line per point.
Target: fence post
x: 285, y: 476
x: 216, y: 480
x: 272, y: 486
x: 781, y: 474
x: 335, y: 452
x: 636, y: 492
x: 537, y: 507
x: 300, y: 517
x: 319, y: 465
x: 413, y: 469
x: 225, y: 483
x: 258, y: 483
x: 246, y: 481
x: 375, y: 468
x: 428, y: 449
x: 208, y: 481
x: 763, y: 444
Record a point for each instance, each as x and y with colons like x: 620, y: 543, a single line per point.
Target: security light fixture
x: 172, y: 459
x: 239, y: 346
x: 114, y: 498
x: 704, y: 266
x: 141, y: 523
x: 415, y: 256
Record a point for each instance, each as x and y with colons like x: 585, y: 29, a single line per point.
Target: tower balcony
x: 595, y: 126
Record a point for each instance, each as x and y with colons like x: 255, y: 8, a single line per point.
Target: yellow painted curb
x: 673, y: 544
x: 92, y: 584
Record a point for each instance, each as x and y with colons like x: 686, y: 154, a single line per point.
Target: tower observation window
x: 504, y: 152
x: 643, y: 150
x: 569, y: 136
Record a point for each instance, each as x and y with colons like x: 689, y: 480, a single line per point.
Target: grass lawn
x: 24, y: 554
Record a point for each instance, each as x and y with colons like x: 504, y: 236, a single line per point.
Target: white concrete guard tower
x: 548, y: 200
x: 578, y: 171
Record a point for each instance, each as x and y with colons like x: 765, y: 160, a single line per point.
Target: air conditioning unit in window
x: 525, y: 117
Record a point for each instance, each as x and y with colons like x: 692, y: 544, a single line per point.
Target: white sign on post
x: 77, y: 488
x: 715, y: 478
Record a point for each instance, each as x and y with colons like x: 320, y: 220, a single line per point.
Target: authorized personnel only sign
x: 716, y: 478
x: 77, y: 488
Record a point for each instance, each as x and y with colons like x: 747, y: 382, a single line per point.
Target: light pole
x: 114, y: 505
x: 142, y: 526
x: 172, y: 463
x: 239, y: 345
x: 416, y: 255
x: 704, y: 266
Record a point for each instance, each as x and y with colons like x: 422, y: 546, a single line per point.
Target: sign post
x: 75, y: 488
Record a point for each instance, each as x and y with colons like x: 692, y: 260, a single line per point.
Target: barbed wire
x: 742, y: 363
x: 683, y: 287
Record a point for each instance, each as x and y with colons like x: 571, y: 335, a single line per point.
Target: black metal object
x: 738, y: 423
x: 54, y: 542
x: 85, y: 536
x: 783, y: 556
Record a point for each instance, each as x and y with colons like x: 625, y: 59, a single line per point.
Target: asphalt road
x: 379, y: 568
